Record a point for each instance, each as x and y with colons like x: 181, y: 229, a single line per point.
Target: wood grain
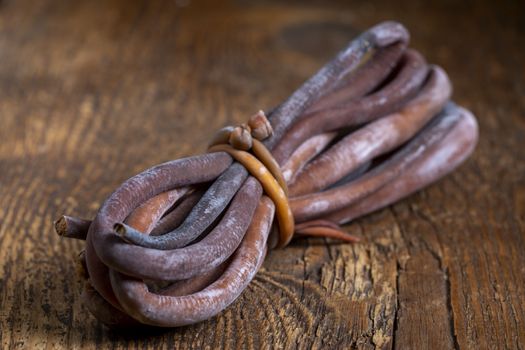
x: 94, y: 91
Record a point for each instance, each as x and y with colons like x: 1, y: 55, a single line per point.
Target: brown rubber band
x: 263, y: 154
x: 256, y: 167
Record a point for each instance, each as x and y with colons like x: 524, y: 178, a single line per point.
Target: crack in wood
x: 450, y: 310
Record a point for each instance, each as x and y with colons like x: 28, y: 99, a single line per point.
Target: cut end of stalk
x: 120, y: 229
x: 61, y: 226
x: 71, y: 227
x: 127, y: 233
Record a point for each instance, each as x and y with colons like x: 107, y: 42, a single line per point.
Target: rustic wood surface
x: 92, y: 92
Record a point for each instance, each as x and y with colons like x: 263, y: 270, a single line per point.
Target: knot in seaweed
x: 260, y: 163
x: 241, y: 137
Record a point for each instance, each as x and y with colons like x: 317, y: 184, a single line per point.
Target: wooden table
x: 93, y: 92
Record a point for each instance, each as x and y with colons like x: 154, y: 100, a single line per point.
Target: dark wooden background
x: 92, y: 92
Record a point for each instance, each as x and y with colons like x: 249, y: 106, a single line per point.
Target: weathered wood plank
x: 92, y: 92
